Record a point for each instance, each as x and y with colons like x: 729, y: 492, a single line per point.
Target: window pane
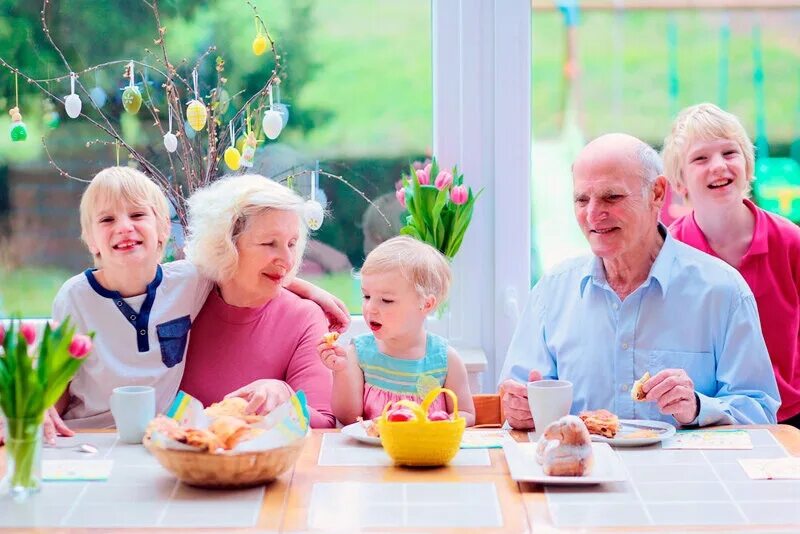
x: 358, y: 90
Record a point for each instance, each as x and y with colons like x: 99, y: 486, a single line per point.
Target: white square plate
x: 521, y: 458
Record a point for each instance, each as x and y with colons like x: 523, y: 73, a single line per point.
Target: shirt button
x: 624, y: 387
x: 142, y: 332
x: 119, y: 303
x: 133, y: 317
x: 624, y: 346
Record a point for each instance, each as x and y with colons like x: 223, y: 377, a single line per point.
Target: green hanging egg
x: 52, y: 119
x: 18, y: 131
x: 131, y: 99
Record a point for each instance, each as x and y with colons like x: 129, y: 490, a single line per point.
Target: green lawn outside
x: 29, y: 291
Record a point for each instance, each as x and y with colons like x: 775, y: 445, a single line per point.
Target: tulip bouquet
x: 439, y: 212
x: 32, y: 379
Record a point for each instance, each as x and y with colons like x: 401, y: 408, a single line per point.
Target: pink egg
x: 439, y: 415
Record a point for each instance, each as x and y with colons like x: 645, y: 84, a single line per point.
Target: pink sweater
x: 230, y: 347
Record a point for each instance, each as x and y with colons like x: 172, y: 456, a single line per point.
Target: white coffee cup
x: 549, y: 400
x: 133, y: 407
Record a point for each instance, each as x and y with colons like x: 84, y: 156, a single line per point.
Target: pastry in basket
x: 230, y: 430
x: 203, y: 439
x: 565, y: 448
x: 600, y: 422
x: 167, y: 426
x: 637, y: 393
x: 233, y: 407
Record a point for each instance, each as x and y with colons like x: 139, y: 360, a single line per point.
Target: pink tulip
x: 428, y: 167
x: 443, y: 181
x: 424, y: 178
x: 2, y: 334
x: 80, y: 346
x: 28, y: 331
x: 459, y: 194
x: 401, y: 196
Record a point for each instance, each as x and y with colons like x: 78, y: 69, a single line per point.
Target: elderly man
x: 642, y: 302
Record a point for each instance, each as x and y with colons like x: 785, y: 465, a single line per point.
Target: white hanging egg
x: 283, y: 109
x: 314, y: 214
x: 98, y: 96
x: 170, y: 142
x: 197, y: 115
x: 72, y: 104
x: 272, y: 123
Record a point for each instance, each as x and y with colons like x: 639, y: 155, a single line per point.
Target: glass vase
x: 23, y: 448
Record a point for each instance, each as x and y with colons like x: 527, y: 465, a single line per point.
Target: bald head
x: 624, y: 152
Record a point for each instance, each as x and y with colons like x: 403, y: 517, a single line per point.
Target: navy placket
x: 139, y: 319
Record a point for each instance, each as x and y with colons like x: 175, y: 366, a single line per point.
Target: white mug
x: 133, y: 407
x: 549, y: 400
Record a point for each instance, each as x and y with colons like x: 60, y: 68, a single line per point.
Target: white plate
x: 622, y: 439
x: 359, y: 433
x: 521, y: 458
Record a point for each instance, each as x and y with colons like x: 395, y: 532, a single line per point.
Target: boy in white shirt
x: 141, y: 310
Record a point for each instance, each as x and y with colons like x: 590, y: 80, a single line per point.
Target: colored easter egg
x: 18, y: 131
x: 131, y: 99
x: 98, y: 96
x: 232, y: 158
x: 197, y: 115
x: 259, y: 45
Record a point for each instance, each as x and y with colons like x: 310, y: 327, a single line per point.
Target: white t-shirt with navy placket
x: 139, y: 341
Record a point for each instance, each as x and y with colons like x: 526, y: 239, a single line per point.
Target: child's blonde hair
x: 115, y: 184
x: 421, y: 264
x: 703, y: 121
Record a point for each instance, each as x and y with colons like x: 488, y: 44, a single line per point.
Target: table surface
x: 476, y: 493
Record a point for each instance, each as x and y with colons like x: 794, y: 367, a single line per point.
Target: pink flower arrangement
x: 439, y: 214
x: 32, y: 378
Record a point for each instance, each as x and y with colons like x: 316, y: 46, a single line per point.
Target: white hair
x: 219, y: 214
x: 650, y: 165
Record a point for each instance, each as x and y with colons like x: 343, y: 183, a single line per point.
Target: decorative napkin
x: 709, y: 439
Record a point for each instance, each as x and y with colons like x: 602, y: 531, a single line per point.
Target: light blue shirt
x: 693, y: 312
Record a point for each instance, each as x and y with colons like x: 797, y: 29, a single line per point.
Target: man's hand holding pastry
x: 673, y: 390
x: 515, y: 402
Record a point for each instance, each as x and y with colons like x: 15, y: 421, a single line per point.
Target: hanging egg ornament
x: 313, y: 214
x: 170, y: 142
x: 18, y: 131
x: 197, y: 115
x: 72, y: 105
x: 132, y: 99
x: 240, y: 143
x: 189, y: 131
x: 233, y: 159
x: 283, y: 109
x: 272, y: 123
x: 259, y: 45
x: 98, y: 96
x: 52, y: 119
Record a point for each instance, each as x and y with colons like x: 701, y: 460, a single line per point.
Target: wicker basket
x: 421, y: 442
x: 227, y: 470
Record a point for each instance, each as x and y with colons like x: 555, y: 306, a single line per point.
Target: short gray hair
x: 219, y: 213
x: 650, y: 167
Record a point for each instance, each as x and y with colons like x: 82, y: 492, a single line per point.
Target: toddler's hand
x: 333, y: 356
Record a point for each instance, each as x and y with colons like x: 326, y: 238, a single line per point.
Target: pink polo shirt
x: 230, y: 347
x: 771, y: 267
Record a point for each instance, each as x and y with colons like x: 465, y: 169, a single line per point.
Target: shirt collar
x: 759, y: 243
x: 660, y: 271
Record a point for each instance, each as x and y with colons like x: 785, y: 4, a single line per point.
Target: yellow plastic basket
x: 421, y: 442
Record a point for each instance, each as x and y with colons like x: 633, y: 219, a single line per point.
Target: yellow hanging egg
x: 131, y: 99
x: 232, y: 158
x: 259, y: 45
x: 197, y: 115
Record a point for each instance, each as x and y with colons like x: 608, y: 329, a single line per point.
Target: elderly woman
x: 254, y: 338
